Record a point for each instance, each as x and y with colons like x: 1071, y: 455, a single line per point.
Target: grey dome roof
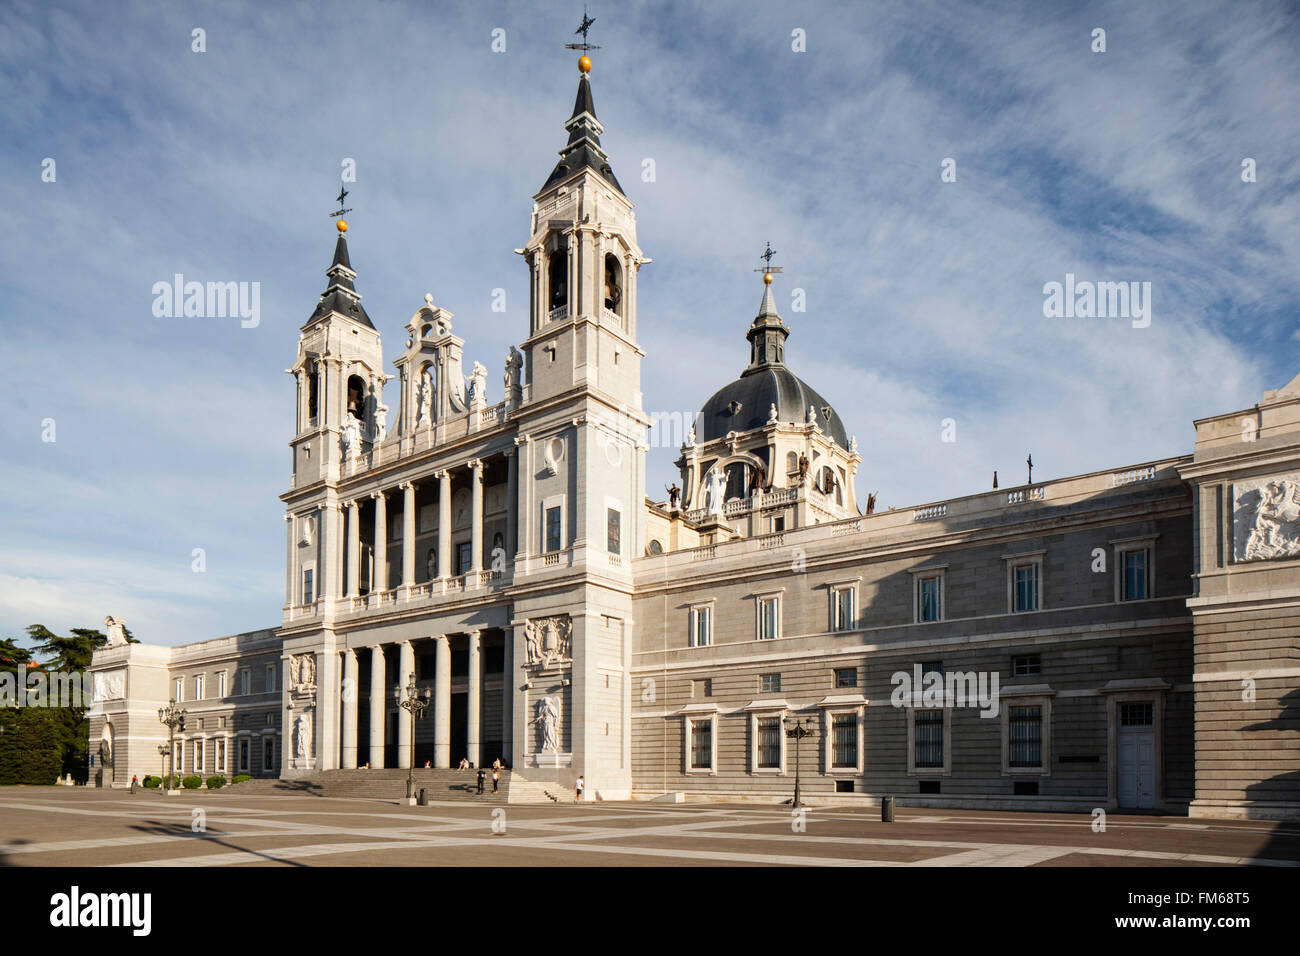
x: 747, y: 402
x: 757, y: 390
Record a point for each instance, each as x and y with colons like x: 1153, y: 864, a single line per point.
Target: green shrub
x: 170, y: 783
x: 217, y: 782
x: 192, y: 783
x: 241, y: 777
x: 151, y: 782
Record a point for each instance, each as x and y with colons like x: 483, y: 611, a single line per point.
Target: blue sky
x: 924, y: 298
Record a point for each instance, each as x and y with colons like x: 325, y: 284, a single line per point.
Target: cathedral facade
x: 1127, y: 638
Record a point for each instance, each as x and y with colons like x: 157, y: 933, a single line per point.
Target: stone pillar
x: 524, y: 517
x: 354, y: 549
x: 512, y: 507
x: 474, y: 702
x: 348, y: 756
x: 444, y: 524
x: 331, y: 550
x: 442, y: 703
x: 405, y: 671
x: 476, y: 517
x: 408, y: 535
x: 508, y: 695
x: 379, y: 570
x: 378, y: 706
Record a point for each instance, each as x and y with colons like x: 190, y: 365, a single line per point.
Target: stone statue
x: 803, y: 467
x: 871, y: 503
x: 478, y: 385
x: 717, y: 490
x: 116, y: 630
x: 771, y: 414
x: 547, y: 639
x: 431, y: 564
x: 548, y: 716
x: 308, y: 672
x: 425, y: 413
x: 351, y: 437
x: 812, y: 415
x: 853, y: 445
x: 514, y: 370
x: 381, y: 421
x: 690, y: 436
x: 303, y: 745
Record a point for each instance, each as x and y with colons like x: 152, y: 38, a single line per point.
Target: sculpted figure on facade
x: 1274, y: 529
x: 351, y: 437
x: 548, y: 640
x: 302, y: 746
x: 478, y: 385
x: 302, y: 671
x: 548, y: 719
x: 717, y: 490
x: 425, y: 413
x: 115, y: 628
x: 514, y: 369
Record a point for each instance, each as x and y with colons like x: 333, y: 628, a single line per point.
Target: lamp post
x: 798, y: 730
x: 162, y: 757
x: 414, y: 703
x: 173, y: 718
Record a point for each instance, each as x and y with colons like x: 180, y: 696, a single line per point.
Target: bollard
x: 424, y: 797
x: 886, y: 809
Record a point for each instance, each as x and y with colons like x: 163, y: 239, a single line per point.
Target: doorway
x: 1136, y: 768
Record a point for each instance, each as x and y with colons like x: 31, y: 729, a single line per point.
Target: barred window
x: 846, y: 677
x: 553, y: 529
x: 844, y: 740
x: 1137, y: 715
x: 928, y: 736
x: 1026, y: 666
x: 1025, y: 736
x: 769, y: 683
x: 769, y: 743
x: 702, y: 744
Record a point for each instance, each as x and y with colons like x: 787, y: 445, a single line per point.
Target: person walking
x: 577, y: 790
x: 134, y: 780
x: 496, y: 779
x: 482, y: 775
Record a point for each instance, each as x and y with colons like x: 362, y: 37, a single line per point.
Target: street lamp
x: 173, y: 718
x: 415, y: 703
x: 799, y: 729
x: 162, y: 758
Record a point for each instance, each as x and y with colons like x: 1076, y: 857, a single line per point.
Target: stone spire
x: 341, y: 295
x: 767, y: 333
x: 583, y: 150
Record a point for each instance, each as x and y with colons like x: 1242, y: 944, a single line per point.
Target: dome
x: 752, y: 396
x: 747, y: 402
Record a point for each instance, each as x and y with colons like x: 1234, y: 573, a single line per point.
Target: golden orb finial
x: 584, y: 64
x: 767, y: 278
x: 341, y: 225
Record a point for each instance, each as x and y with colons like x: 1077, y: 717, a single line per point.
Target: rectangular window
x: 1137, y: 715
x: 199, y: 681
x: 553, y: 528
x: 613, y: 531
x: 1026, y: 666
x: 769, y: 621
x: 842, y: 608
x: 844, y: 740
x: 778, y: 523
x: 464, y: 552
x: 1025, y: 736
x: 178, y: 689
x: 245, y: 682
x: 221, y: 756
x: 701, y: 626
x: 769, y: 683
x: 702, y: 744
x: 929, y: 598
x: 1024, y: 596
x: 846, y: 677
x: 1133, y: 586
x: 198, y: 756
x: 178, y: 757
x: 221, y: 684
x: 932, y: 667
x: 702, y: 687
x: 270, y: 677
x: 769, y: 743
x: 928, y: 738
x: 308, y: 585
x: 243, y: 755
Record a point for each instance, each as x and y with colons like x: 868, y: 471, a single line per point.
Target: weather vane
x: 584, y: 46
x: 343, y: 194
x: 768, y: 269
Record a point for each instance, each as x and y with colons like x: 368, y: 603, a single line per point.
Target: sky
x: 130, y: 440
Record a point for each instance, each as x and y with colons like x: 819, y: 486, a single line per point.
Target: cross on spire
x: 584, y: 46
x: 767, y: 254
x: 343, y: 194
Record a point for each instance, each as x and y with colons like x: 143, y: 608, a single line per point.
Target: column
x: 442, y: 703
x: 476, y: 516
x: 524, y: 517
x: 405, y: 671
x: 354, y: 549
x: 378, y: 702
x: 331, y: 550
x: 349, y: 694
x: 408, y: 536
x: 512, y: 507
x: 474, y: 702
x: 379, y: 573
x: 508, y: 695
x: 444, y: 524
x: 290, y: 561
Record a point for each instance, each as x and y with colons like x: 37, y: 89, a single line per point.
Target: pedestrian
x: 482, y: 776
x: 496, y: 778
x: 577, y: 789
x: 134, y: 780
x: 496, y: 764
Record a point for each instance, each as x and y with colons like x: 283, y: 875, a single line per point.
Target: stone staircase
x: 388, y: 785
x: 529, y: 791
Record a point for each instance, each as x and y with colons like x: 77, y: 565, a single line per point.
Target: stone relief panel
x: 302, y: 671
x: 1266, y: 518
x: 548, y: 640
x: 109, y: 685
x: 302, y: 745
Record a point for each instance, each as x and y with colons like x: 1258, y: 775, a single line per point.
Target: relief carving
x: 302, y: 671
x: 1266, y: 519
x: 547, y: 640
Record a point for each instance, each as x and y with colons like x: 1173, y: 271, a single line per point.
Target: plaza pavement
x: 57, y: 826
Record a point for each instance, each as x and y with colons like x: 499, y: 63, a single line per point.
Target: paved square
x: 51, y: 826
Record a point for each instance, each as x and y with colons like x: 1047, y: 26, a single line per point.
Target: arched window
x: 613, y: 284
x: 791, y: 463
x: 357, y: 397
x: 557, y: 265
x: 313, y: 392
